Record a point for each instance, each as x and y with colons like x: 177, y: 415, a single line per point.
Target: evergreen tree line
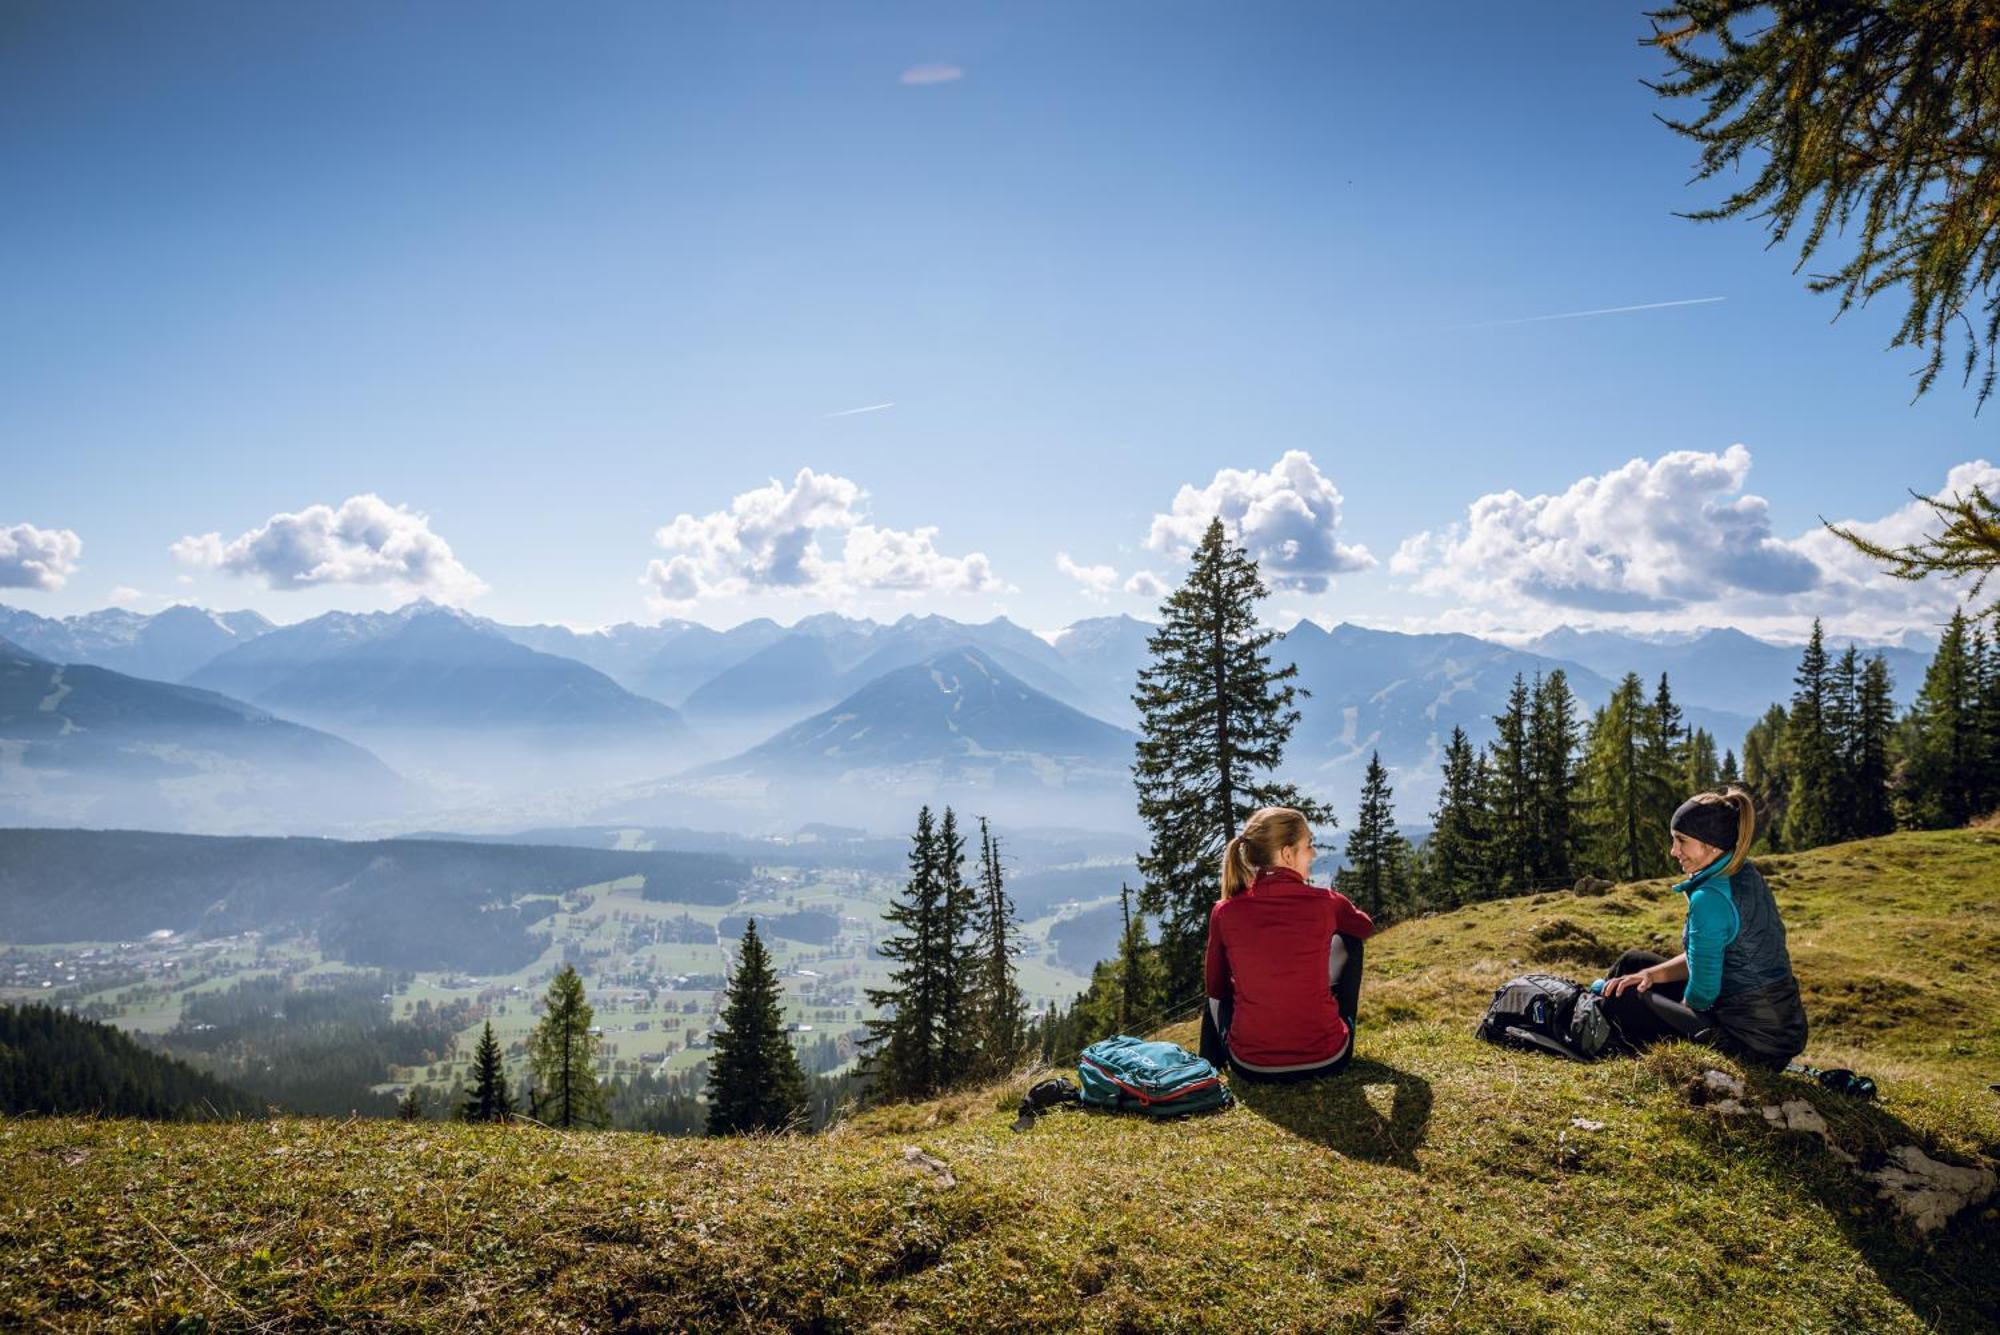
x: 952, y: 1013
x: 52, y: 1062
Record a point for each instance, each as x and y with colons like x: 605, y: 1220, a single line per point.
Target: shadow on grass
x: 1950, y: 1280
x: 1335, y: 1112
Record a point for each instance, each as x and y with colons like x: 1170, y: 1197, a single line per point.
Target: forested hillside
x: 52, y: 1062
x: 402, y: 903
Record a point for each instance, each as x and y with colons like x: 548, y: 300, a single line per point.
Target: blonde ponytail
x: 1236, y: 873
x: 1268, y: 830
x: 1746, y: 824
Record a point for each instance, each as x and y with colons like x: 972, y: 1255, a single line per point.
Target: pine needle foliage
x: 488, y: 1100
x: 1881, y: 120
x: 563, y: 1057
x: 1215, y: 715
x: 1001, y: 1007
x: 1966, y: 545
x: 755, y: 1082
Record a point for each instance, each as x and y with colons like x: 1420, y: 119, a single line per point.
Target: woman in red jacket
x: 1284, y: 958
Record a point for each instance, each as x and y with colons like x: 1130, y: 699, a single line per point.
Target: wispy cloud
x: 923, y: 75
x: 1584, y: 315
x: 871, y: 408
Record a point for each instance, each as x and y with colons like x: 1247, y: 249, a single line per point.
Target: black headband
x: 1714, y: 823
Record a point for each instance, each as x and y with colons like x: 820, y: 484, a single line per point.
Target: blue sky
x: 551, y: 277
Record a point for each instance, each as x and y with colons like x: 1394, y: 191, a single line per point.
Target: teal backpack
x: 1126, y: 1074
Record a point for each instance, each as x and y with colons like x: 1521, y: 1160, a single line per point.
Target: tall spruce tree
x: 901, y: 1050
x: 1940, y: 735
x: 1459, y: 859
x: 1987, y: 729
x: 1871, y: 773
x: 1625, y: 788
x: 488, y: 1099
x: 1552, y: 746
x: 563, y: 1057
x: 1729, y: 773
x: 958, y: 1027
x: 1812, y: 815
x: 1377, y: 853
x: 1843, y: 730
x: 1980, y: 767
x: 1511, y: 792
x: 1001, y: 1008
x: 1703, y: 771
x: 755, y: 1082
x: 1767, y: 773
x: 1214, y: 716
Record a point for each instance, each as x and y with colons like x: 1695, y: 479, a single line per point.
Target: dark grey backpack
x: 1539, y: 1010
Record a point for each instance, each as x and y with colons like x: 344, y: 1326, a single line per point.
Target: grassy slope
x: 1439, y: 1185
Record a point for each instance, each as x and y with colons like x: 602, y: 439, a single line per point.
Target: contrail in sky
x: 871, y: 408
x: 1608, y: 310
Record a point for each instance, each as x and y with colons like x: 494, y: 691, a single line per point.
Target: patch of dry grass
x: 1440, y: 1184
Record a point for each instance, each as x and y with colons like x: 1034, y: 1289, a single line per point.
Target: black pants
x: 1647, y: 1017
x: 1346, y: 995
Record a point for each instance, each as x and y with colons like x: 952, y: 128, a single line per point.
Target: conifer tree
x: 1511, y: 792
x: 1703, y: 772
x: 563, y: 1057
x: 1812, y: 815
x: 1552, y: 747
x: 1728, y: 774
x: 1767, y: 773
x: 1459, y: 858
x: 901, y: 1056
x: 410, y: 1108
x: 1843, y: 730
x: 1665, y: 758
x: 755, y: 1082
x: 1941, y: 745
x: 1214, y: 716
x: 488, y: 1100
x: 1377, y: 853
x: 1001, y: 1025
x: 958, y: 1027
x: 1138, y: 970
x: 1871, y: 772
x: 1625, y: 791
x: 1987, y: 730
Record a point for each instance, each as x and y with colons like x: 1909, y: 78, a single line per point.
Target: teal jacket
x: 1734, y: 939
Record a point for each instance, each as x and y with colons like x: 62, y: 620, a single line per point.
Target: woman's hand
x: 1641, y: 981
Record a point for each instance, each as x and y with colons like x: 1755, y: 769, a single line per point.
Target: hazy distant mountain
x: 165, y: 646
x: 427, y: 666
x: 663, y: 662
x: 828, y: 657
x: 85, y: 745
x: 1722, y: 669
x: 1103, y: 656
x: 448, y: 697
x: 955, y: 727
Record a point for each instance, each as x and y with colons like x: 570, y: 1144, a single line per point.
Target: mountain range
x: 763, y: 726
x: 81, y: 744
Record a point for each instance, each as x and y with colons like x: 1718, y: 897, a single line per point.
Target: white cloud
x: 1098, y: 582
x: 1146, y: 584
x: 770, y: 540
x: 920, y: 76
x: 363, y: 540
x: 1672, y: 543
x: 1642, y: 537
x: 1287, y: 518
x: 37, y: 558
x: 124, y: 596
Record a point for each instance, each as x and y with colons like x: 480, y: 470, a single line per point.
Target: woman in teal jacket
x: 1732, y: 984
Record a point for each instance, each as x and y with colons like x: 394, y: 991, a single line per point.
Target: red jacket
x: 1267, y: 951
